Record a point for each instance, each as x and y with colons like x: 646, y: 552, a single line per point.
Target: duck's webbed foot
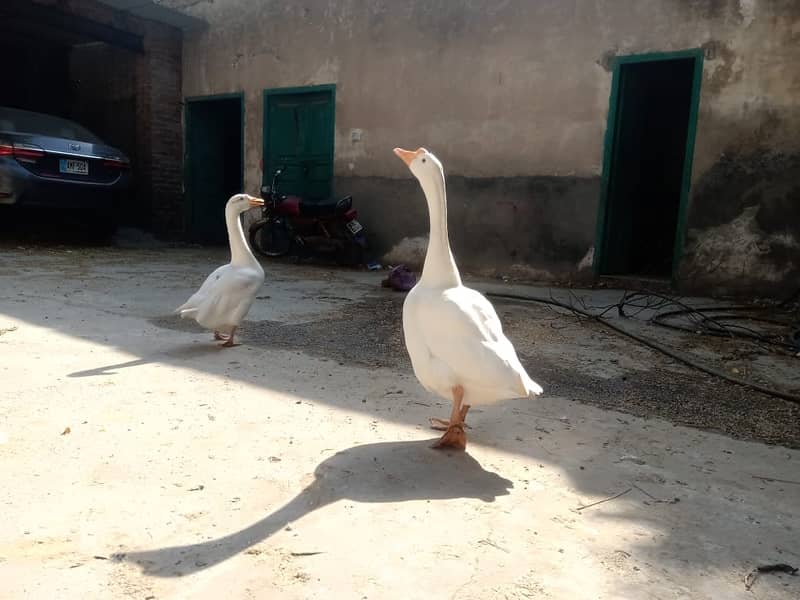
x: 444, y: 424
x: 454, y: 436
x: 229, y: 343
x: 439, y: 424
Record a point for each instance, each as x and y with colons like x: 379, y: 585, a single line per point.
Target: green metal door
x: 647, y: 167
x: 298, y: 137
x: 627, y: 156
x: 213, y: 163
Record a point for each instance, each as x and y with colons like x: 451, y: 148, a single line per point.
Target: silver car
x: 50, y: 162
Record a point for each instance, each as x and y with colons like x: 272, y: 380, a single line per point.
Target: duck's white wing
x: 228, y: 299
x: 462, y: 329
x: 191, y: 306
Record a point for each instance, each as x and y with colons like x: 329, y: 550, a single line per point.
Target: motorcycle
x: 290, y: 224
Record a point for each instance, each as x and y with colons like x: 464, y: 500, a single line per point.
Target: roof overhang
x: 155, y: 11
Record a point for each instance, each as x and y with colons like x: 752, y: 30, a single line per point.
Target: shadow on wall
x: 543, y: 226
x: 387, y: 472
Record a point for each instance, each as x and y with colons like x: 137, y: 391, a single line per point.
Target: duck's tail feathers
x: 186, y: 312
x: 532, y: 388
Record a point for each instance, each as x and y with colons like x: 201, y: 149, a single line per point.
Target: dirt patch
x: 579, y: 360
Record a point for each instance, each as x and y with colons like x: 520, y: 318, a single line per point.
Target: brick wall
x: 158, y: 114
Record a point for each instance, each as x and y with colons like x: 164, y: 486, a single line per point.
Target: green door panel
x: 203, y: 181
x: 647, y: 166
x: 624, y: 179
x: 213, y: 164
x: 299, y: 137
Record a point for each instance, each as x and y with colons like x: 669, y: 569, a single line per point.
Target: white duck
x: 227, y: 294
x: 452, y: 333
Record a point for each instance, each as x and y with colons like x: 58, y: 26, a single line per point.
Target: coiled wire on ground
x: 709, y: 320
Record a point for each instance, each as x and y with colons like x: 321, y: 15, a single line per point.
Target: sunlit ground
x: 140, y: 460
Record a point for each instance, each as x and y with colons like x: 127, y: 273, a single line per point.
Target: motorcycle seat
x: 326, y: 208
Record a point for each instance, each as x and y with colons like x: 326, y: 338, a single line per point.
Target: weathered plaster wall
x: 744, y: 218
x: 513, y: 97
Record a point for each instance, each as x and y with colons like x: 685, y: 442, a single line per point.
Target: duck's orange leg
x: 442, y: 424
x: 454, y: 436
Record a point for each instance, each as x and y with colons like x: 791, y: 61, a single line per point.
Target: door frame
x: 281, y: 91
x: 188, y: 208
x: 615, y: 106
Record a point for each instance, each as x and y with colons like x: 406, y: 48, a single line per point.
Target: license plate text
x: 74, y: 167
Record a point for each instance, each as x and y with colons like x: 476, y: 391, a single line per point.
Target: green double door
x: 299, y: 138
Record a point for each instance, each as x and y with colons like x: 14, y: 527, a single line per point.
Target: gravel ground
x: 582, y: 361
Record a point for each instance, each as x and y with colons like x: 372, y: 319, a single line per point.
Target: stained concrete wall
x: 513, y: 97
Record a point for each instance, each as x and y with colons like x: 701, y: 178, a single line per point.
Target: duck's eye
x: 423, y: 160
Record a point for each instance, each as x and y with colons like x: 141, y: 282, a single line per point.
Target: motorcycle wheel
x: 271, y: 238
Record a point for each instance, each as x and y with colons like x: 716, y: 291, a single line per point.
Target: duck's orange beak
x: 256, y: 202
x: 406, y: 155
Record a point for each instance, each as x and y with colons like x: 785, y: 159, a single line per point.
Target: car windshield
x: 13, y: 120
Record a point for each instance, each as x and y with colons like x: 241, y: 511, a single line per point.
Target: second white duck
x: 453, y: 335
x: 228, y: 293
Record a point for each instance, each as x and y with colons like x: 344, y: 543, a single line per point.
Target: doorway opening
x: 647, y: 166
x: 214, y: 163
x: 298, y: 138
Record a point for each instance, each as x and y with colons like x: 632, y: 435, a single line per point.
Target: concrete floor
x: 142, y: 461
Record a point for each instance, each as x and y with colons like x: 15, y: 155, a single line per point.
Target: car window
x: 22, y: 121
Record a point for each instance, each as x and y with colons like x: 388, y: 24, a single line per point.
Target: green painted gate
x: 299, y: 136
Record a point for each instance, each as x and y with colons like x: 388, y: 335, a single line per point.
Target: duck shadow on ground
x: 382, y: 472
x: 401, y: 472
x: 182, y: 352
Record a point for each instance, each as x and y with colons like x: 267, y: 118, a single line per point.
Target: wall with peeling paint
x: 513, y: 95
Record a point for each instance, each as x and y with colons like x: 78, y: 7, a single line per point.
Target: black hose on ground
x: 655, y: 346
x: 791, y: 299
x: 718, y: 324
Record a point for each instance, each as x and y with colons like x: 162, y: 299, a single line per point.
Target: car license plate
x: 75, y: 167
x: 354, y: 226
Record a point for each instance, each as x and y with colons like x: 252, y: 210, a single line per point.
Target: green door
x: 648, y: 158
x: 624, y: 183
x: 214, y: 162
x: 298, y: 137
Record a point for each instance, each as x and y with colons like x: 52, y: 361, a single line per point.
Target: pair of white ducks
x: 452, y: 333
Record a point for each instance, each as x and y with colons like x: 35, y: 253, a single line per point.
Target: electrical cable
x: 655, y: 346
x: 723, y: 329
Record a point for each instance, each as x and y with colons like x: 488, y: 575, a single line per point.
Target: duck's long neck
x: 440, y: 266
x: 240, y: 251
